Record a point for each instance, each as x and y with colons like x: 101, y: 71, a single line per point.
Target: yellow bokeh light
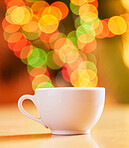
x: 93, y: 78
x: 9, y: 12
x: 117, y: 25
x: 40, y: 79
x: 21, y: 15
x: 81, y: 82
x: 48, y: 23
x: 18, y: 15
x: 78, y: 2
x: 75, y: 76
x: 83, y: 78
x: 88, y: 12
x: 53, y: 11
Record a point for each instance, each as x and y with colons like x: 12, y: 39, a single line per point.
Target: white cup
x: 67, y: 110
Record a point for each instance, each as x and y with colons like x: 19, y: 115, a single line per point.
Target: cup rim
x: 71, y: 88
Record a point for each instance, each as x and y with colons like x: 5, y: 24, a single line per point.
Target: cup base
x: 58, y: 132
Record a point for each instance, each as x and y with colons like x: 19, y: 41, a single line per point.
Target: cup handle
x: 32, y: 98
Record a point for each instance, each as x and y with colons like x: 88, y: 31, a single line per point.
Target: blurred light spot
x: 45, y: 85
x: 57, y: 60
x: 68, y: 53
x: 26, y: 52
x: 94, y: 2
x: 48, y: 23
x: 31, y: 1
x: 54, y: 37
x: 78, y: 2
x: 32, y: 35
x: 37, y: 58
x: 38, y: 71
x: 39, y: 6
x: 125, y: 3
x: 41, y: 44
x: 8, y: 14
x: 88, y: 12
x: 12, y: 28
x: 87, y: 65
x: 85, y: 34
x: 84, y: 78
x: 15, y: 3
x: 41, y: 81
x: 105, y: 30
x: 74, y: 8
x: 53, y: 11
x: 5, y: 23
x: 87, y: 47
x: 97, y: 25
x: 65, y: 74
x: 21, y: 15
x: 77, y: 22
x: 30, y: 26
x: 61, y: 81
x: 73, y: 66
x: 75, y: 76
x: 91, y: 57
x: 66, y: 50
x: 50, y: 60
x: 12, y: 38
x: 19, y: 45
x: 63, y: 8
x: 72, y: 36
x: 117, y: 25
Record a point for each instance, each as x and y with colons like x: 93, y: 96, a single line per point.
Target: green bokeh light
x: 31, y: 35
x: 84, y: 29
x: 45, y: 85
x: 37, y: 58
x: 72, y: 37
x: 50, y: 61
x: 74, y: 8
x: 77, y: 22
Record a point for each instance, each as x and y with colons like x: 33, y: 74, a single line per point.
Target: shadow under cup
x: 67, y: 110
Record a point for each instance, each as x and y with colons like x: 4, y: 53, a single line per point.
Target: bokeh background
x: 112, y: 60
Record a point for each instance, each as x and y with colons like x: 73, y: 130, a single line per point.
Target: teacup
x: 67, y: 110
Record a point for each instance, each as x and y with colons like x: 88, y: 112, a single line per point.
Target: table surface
x: 18, y: 131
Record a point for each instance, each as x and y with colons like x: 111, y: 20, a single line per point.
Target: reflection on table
x: 18, y: 131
